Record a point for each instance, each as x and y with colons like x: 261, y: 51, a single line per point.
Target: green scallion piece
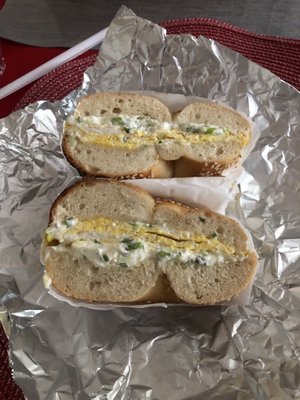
x: 162, y: 254
x: 69, y: 221
x: 199, y: 260
x: 126, y: 240
x: 133, y: 246
x: 209, y: 131
x: 192, y: 129
x: 105, y: 257
x: 117, y: 121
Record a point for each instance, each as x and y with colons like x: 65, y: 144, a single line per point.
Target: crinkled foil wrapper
x: 218, y: 352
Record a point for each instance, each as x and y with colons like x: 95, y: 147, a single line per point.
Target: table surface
x: 65, y: 23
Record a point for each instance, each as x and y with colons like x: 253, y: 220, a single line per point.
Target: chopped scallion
x: 210, y: 130
x: 69, y: 221
x: 133, y: 246
x: 192, y: 129
x: 117, y: 121
x: 126, y: 240
x: 105, y: 257
x: 162, y: 254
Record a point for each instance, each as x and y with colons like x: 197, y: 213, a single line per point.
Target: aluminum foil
x: 238, y: 352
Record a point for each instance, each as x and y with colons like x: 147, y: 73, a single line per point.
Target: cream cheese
x: 105, y: 254
x: 47, y: 280
x: 116, y: 124
x: 58, y: 230
x: 104, y: 242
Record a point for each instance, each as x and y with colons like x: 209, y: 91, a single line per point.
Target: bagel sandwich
x: 110, y: 241
x: 127, y: 135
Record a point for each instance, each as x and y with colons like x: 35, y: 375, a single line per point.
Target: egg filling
x: 133, y: 131
x: 105, y: 242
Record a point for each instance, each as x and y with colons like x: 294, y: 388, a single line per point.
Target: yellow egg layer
x: 138, y: 138
x: 153, y: 234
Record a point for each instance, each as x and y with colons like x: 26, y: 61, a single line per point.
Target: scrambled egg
x: 128, y: 243
x: 151, y: 234
x: 130, y: 132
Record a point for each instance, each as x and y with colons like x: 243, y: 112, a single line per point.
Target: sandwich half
x: 218, y: 136
x: 108, y: 136
x: 125, y: 135
x: 109, y: 241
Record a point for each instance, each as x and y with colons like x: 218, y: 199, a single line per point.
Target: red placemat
x: 8, y: 389
x: 279, y: 55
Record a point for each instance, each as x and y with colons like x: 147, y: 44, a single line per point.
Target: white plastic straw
x: 43, y: 69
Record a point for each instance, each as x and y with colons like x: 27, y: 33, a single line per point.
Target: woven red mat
x: 8, y: 389
x: 279, y: 55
